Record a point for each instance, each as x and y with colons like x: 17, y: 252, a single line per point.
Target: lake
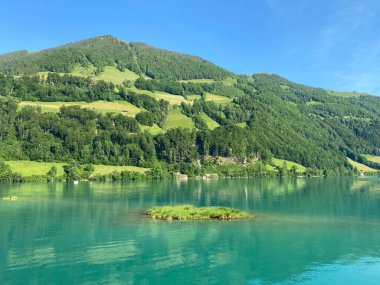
x: 307, y: 231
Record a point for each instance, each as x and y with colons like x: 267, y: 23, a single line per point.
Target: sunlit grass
x: 373, y: 158
x: 123, y: 107
x: 211, y: 124
x: 346, y: 94
x: 217, y: 98
x: 201, y: 80
x: 112, y: 74
x: 241, y: 125
x: 289, y: 164
x: 360, y: 166
x: 28, y: 168
x: 106, y: 169
x: 153, y: 130
x: 176, y: 119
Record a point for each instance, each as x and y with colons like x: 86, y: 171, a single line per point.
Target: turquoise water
x: 307, y: 231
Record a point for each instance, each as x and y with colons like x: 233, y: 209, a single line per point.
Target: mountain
x: 106, y: 51
x: 171, y: 112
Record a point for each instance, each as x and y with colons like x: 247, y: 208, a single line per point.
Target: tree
x: 52, y: 173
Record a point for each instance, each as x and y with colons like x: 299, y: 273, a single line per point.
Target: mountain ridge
x: 107, y: 50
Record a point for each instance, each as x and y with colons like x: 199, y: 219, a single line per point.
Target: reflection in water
x: 306, y: 229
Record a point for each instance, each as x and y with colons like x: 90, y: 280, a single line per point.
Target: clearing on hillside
x: 217, y: 98
x: 373, y: 158
x: 346, y: 94
x: 158, y: 95
x: 289, y: 164
x: 360, y: 166
x: 122, y: 107
x: 201, y: 80
x: 211, y: 124
x: 176, y: 119
x: 112, y: 74
x: 153, y: 130
x: 109, y: 73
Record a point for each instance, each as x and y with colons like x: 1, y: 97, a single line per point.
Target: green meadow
x: 346, y: 94
x: 211, y: 124
x: 28, y: 168
x: 373, y: 158
x: 109, y: 73
x: 112, y: 74
x: 217, y: 98
x: 289, y: 164
x: 360, y: 166
x: 176, y: 119
x: 123, y: 107
x: 153, y: 130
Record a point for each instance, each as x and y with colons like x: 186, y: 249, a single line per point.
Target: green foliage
x: 146, y: 118
x: 5, y: 172
x: 52, y: 172
x: 75, y: 171
x: 189, y: 212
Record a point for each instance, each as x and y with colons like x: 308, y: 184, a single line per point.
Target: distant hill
x: 142, y: 105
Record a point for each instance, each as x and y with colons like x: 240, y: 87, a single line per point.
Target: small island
x: 189, y: 212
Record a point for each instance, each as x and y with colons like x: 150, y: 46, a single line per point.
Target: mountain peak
x: 107, y: 50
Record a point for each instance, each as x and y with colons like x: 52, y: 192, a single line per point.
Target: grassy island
x: 189, y: 212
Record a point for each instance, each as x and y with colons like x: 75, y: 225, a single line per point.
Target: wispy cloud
x: 362, y: 70
x: 350, y: 40
x: 344, y: 24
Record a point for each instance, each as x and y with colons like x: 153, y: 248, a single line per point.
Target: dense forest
x: 264, y: 116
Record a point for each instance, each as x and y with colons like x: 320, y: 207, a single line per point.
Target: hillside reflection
x: 95, y: 232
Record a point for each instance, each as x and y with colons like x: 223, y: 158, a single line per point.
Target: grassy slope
x: 178, y: 120
x: 346, y: 94
x: 211, y: 124
x: 154, y: 130
x: 241, y: 125
x: 123, y: 107
x: 217, y: 98
x: 360, y: 166
x: 28, y: 168
x: 279, y: 162
x: 194, y: 97
x: 172, y: 99
x: 114, y: 75
x: 203, y: 80
x: 228, y: 81
x: 373, y: 158
x: 110, y: 74
x: 83, y: 71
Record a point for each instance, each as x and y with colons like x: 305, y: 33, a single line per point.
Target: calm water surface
x: 307, y: 231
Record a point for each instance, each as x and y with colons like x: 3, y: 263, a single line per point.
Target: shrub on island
x: 189, y: 212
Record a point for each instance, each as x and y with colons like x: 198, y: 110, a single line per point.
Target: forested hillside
x: 188, y: 114
x: 108, y: 51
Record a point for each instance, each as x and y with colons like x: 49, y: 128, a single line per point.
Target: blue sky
x: 334, y: 44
